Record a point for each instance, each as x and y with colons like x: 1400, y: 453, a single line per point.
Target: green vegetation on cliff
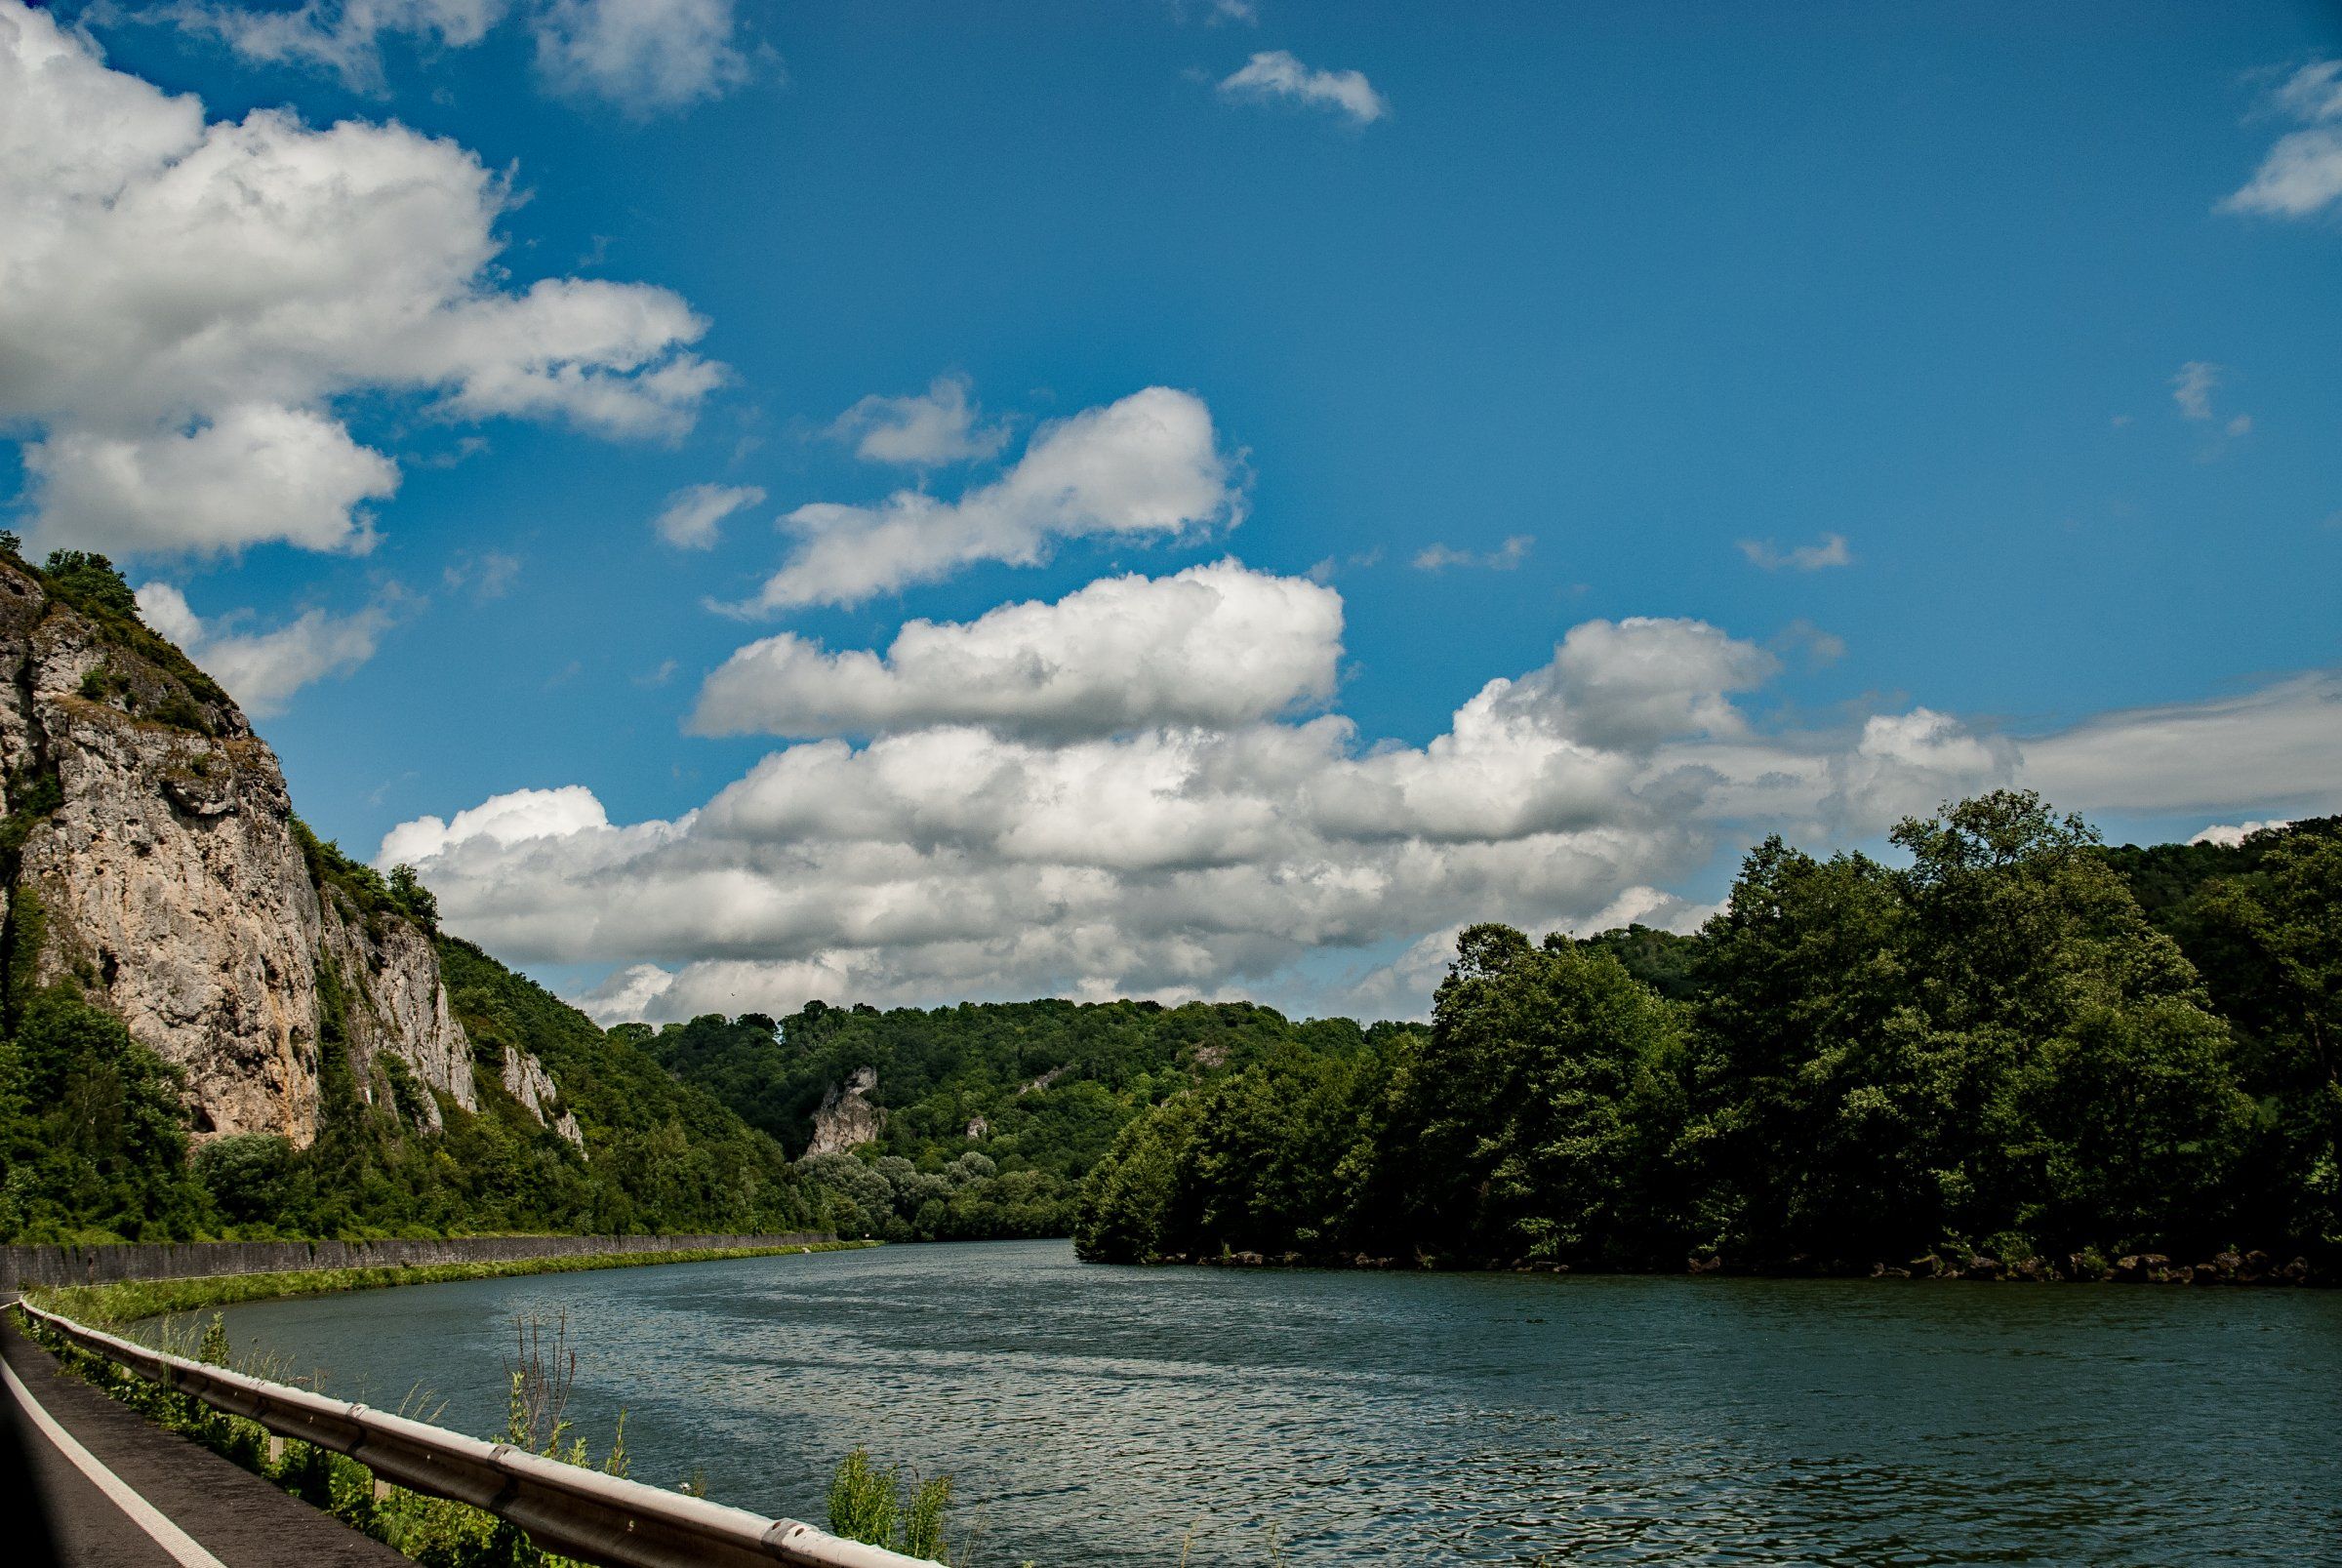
x: 1999, y: 1048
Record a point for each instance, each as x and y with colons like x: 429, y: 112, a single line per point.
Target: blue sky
x: 1930, y: 357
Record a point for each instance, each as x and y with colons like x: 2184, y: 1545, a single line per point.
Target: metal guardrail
x: 565, y: 1508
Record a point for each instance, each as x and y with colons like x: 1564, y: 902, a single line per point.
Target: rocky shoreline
x: 2136, y: 1269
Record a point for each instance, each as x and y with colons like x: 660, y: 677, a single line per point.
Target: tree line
x: 2014, y: 1043
x: 990, y: 1112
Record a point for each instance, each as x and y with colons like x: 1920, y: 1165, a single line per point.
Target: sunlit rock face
x: 160, y: 870
x: 846, y: 1116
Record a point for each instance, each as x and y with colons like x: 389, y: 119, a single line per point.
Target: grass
x: 117, y: 1305
x: 865, y: 1504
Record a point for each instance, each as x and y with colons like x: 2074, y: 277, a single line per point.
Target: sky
x: 909, y: 503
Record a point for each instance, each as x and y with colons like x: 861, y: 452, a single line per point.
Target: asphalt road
x: 218, y: 1513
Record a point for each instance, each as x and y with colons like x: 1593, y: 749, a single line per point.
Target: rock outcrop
x: 158, y: 864
x: 846, y: 1116
x: 526, y: 1080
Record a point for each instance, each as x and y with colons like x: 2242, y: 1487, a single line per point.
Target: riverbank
x: 27, y: 1264
x: 2136, y: 1269
x: 112, y: 1305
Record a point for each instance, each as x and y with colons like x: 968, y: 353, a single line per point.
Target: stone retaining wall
x: 21, y: 1267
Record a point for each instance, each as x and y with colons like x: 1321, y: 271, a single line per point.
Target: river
x: 1096, y: 1415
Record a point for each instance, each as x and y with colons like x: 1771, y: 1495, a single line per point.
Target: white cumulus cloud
x: 1148, y: 465
x: 1275, y: 75
x: 1067, y: 838
x: 642, y: 57
x: 2302, y: 174
x: 1213, y: 645
x: 339, y: 37
x: 503, y: 821
x: 185, y: 302
x: 250, y: 475
x: 2230, y: 834
x: 936, y: 427
x: 262, y: 671
x: 693, y: 514
x: 646, y: 56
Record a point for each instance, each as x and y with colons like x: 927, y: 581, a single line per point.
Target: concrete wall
x: 25, y: 1267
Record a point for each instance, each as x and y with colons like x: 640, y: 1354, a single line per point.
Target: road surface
x: 115, y: 1491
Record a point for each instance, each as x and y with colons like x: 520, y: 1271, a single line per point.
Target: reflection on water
x: 1096, y: 1415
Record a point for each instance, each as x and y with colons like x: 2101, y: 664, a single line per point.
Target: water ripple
x: 1107, y: 1416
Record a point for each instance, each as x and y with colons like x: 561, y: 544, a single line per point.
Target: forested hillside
x: 2020, y: 1051
x: 987, y: 1115
x: 95, y: 1141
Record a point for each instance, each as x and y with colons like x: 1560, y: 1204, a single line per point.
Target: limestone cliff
x: 846, y: 1116
x: 151, y: 855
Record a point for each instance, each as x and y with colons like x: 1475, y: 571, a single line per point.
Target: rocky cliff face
x: 152, y: 856
x: 846, y: 1116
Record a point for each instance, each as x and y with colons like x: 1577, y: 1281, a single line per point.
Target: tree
x: 410, y: 894
x: 1531, y: 1118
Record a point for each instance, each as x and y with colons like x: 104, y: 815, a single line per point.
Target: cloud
x: 1819, y: 647
x: 1216, y: 12
x: 1827, y: 551
x: 489, y: 574
x: 934, y: 428
x: 646, y: 56
x: 252, y: 476
x: 341, y: 39
x: 1504, y: 558
x: 2302, y: 174
x: 692, y: 515
x: 2278, y: 746
x: 1909, y: 762
x: 958, y: 862
x: 1214, y: 646
x: 1635, y: 682
x: 1081, y: 842
x: 2193, y: 387
x: 165, y: 608
x: 187, y: 302
x: 1274, y: 75
x: 1147, y: 464
x: 262, y: 671
x: 2191, y: 393
x: 504, y: 820
x: 630, y: 993
x: 2230, y: 834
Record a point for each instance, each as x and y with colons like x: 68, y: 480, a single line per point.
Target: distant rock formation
x: 846, y: 1116
x: 150, y: 854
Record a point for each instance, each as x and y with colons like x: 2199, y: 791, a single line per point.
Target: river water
x: 1096, y: 1415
